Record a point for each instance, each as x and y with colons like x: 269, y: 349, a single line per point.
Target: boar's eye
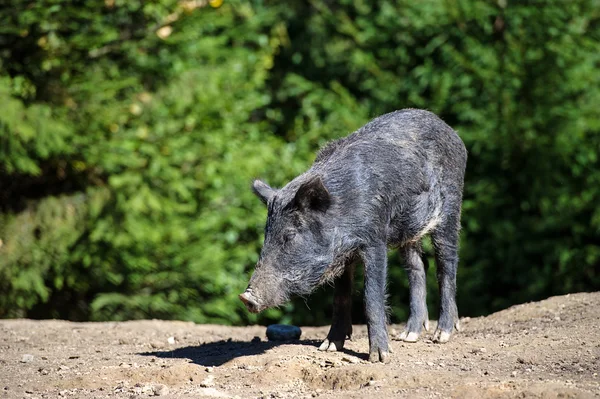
x: 288, y: 237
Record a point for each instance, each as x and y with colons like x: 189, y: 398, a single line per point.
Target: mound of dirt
x: 547, y: 349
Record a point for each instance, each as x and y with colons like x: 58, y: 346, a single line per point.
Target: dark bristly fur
x: 391, y: 182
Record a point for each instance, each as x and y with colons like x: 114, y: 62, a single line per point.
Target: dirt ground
x: 547, y: 349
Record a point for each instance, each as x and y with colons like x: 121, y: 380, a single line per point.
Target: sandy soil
x: 548, y: 349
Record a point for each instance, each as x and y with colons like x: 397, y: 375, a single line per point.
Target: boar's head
x: 298, y: 246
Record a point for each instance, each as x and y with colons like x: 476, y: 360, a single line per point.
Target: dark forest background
x: 130, y: 132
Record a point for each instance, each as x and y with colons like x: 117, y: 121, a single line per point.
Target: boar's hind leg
x: 375, y: 260
x: 445, y: 242
x: 341, y: 325
x: 416, y: 271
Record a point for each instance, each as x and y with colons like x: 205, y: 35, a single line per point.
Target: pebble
x: 146, y: 389
x: 160, y: 389
x: 283, y: 332
x: 171, y: 340
x: 157, y: 344
x: 209, y: 369
x: 27, y: 358
x: 208, y: 382
x: 352, y: 360
x: 255, y: 340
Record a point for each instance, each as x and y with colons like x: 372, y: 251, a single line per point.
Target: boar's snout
x: 250, y: 302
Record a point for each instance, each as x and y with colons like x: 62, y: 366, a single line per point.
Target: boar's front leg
x: 375, y: 260
x: 341, y: 324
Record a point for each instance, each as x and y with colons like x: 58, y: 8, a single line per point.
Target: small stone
x: 171, y: 340
x: 209, y: 369
x: 430, y: 364
x: 27, y: 359
x: 514, y: 374
x: 255, y: 340
x: 43, y: 371
x: 283, y: 332
x: 148, y: 389
x: 64, y: 368
x: 157, y: 344
x: 208, y: 382
x: 350, y: 359
x: 160, y: 389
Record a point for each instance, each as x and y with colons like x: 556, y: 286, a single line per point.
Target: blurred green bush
x: 130, y: 132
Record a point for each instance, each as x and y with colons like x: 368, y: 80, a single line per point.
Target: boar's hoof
x: 441, y: 336
x: 409, y: 336
x: 331, y: 346
x: 379, y: 355
x: 457, y: 325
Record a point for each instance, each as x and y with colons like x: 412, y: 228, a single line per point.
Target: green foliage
x: 130, y: 132
x: 28, y: 133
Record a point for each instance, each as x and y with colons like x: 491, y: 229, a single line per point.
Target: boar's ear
x: 312, y: 194
x: 262, y: 190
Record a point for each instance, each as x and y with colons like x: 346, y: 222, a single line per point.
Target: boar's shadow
x: 220, y: 352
